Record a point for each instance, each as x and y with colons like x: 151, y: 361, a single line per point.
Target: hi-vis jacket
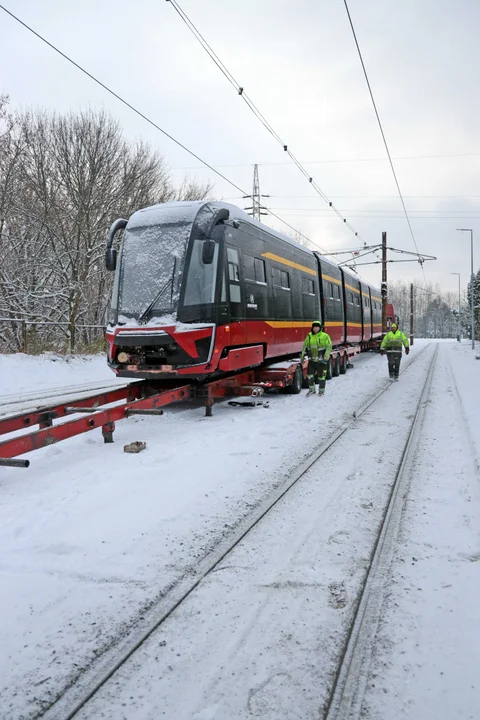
x: 315, y: 343
x: 393, y: 341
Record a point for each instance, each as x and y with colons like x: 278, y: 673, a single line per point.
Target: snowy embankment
x: 24, y: 375
x: 427, y: 655
x: 29, y: 381
x: 89, y: 536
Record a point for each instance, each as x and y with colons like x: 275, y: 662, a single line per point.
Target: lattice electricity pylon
x: 256, y: 209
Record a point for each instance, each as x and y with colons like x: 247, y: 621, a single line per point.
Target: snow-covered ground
x: 24, y: 375
x: 427, y: 655
x: 28, y: 381
x: 90, y: 537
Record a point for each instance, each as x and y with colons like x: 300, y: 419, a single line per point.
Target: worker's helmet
x: 317, y: 323
x: 394, y: 326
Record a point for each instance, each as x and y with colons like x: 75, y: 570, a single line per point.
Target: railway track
x: 91, y: 680
x: 348, y: 690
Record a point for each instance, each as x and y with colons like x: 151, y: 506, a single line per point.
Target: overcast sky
x: 299, y: 64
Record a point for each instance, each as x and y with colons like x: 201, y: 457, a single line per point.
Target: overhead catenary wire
x: 151, y: 122
x: 245, y: 97
x: 342, y: 160
x: 383, y: 134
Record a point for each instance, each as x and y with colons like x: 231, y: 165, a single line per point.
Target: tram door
x: 235, y: 295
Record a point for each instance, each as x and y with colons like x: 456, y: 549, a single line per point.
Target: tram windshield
x: 149, y: 271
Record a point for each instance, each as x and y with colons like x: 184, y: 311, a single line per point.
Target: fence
x: 72, y: 329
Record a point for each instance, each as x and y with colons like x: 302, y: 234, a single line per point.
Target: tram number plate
x: 166, y: 368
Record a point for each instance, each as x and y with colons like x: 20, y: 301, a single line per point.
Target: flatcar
x: 201, y: 289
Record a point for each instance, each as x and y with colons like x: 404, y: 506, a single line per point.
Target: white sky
x: 299, y: 64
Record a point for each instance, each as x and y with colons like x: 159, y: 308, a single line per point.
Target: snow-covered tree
x: 63, y: 180
x: 475, y: 288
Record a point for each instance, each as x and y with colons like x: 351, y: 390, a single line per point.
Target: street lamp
x: 459, y: 323
x: 472, y: 285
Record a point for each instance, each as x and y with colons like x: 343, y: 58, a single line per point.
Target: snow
x: 427, y: 651
x: 171, y: 212
x: 89, y: 537
x: 29, y: 374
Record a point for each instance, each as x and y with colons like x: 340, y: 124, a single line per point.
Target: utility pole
x: 255, y: 210
x: 459, y: 329
x: 384, y: 282
x: 411, y: 314
x: 362, y: 252
x: 472, y: 285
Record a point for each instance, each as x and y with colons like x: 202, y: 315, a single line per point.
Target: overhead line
x: 343, y: 160
x: 151, y: 122
x: 241, y: 92
x: 382, y: 133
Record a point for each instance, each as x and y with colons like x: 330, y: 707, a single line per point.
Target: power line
x: 382, y: 210
x: 383, y: 134
x: 384, y: 217
x: 342, y: 160
x: 375, y: 197
x: 241, y: 92
x: 151, y: 122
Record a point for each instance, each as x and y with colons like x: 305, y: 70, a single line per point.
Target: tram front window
x: 150, y: 266
x: 200, y: 285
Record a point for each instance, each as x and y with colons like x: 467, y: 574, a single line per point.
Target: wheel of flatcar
x: 296, y: 386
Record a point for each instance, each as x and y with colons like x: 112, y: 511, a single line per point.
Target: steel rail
x: 348, y: 689
x: 83, y: 688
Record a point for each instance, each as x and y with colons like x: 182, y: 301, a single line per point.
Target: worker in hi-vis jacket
x: 318, y: 347
x: 392, y: 345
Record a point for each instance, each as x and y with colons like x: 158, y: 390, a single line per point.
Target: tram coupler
x: 107, y: 432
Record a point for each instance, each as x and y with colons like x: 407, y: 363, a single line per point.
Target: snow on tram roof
x: 187, y: 210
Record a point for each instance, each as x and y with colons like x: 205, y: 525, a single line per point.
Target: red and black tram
x: 201, y: 289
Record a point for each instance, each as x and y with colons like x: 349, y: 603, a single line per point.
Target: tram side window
x: 233, y: 275
x: 260, y: 275
x: 308, y: 286
x: 337, y: 288
x: 254, y: 269
x: 350, y: 298
x: 357, y: 300
x: 281, y: 279
x: 330, y: 290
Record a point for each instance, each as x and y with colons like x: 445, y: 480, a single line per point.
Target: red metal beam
x: 46, y: 414
x: 51, y: 435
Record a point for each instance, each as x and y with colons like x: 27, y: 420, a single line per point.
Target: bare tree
x: 63, y: 180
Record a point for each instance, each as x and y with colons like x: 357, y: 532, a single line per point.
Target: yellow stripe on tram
x: 290, y: 263
x: 288, y: 323
x: 330, y: 279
